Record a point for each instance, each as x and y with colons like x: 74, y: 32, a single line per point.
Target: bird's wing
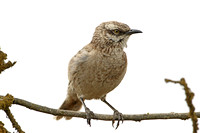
x: 78, y: 60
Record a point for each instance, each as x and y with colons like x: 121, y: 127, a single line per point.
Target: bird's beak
x: 133, y: 31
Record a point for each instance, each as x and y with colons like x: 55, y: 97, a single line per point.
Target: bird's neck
x: 109, y: 49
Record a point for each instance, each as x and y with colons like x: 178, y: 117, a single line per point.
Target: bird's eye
x: 116, y: 32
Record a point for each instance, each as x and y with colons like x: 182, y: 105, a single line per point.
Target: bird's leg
x: 116, y: 115
x: 89, y: 113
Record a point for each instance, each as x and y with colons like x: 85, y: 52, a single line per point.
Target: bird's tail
x: 72, y: 102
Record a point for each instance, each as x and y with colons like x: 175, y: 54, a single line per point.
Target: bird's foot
x: 117, y: 116
x: 89, y: 115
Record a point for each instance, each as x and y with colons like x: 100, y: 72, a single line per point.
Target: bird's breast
x: 99, y: 75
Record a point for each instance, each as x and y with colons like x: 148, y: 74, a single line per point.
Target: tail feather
x: 70, y: 103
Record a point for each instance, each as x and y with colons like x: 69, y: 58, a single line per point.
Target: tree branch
x: 13, y: 121
x: 5, y: 103
x: 2, y: 129
x: 189, y: 96
x: 133, y: 117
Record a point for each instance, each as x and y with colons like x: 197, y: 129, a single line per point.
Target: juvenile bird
x: 98, y: 68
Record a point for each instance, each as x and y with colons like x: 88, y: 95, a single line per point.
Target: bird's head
x: 113, y: 33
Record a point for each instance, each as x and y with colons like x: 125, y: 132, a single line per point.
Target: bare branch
x: 133, y: 117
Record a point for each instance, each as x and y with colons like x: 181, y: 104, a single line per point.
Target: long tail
x: 72, y: 102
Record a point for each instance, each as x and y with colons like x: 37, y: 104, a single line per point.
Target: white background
x: 42, y: 36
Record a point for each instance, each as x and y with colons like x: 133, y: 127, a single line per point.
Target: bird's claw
x: 117, y: 116
x: 89, y: 115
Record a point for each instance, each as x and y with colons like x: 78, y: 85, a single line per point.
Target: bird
x: 98, y: 68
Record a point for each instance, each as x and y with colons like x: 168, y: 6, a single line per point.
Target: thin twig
x: 13, y: 121
x: 189, y: 96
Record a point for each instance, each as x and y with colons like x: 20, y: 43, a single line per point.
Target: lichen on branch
x: 5, y: 103
x: 4, y: 65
